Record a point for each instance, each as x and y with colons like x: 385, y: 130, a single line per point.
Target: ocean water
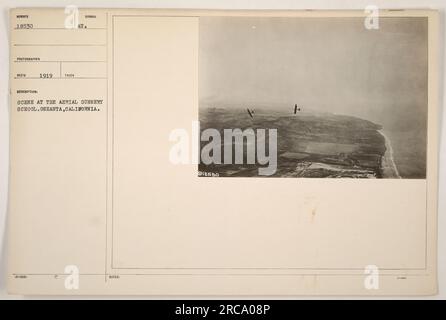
x: 409, y: 152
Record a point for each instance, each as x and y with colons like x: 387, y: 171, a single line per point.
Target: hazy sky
x: 325, y: 64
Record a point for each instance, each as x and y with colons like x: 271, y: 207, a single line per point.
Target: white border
x: 215, y: 4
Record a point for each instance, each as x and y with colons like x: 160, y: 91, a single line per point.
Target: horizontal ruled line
x: 59, y: 28
x: 57, y: 78
x: 57, y: 45
x: 57, y: 61
x: 223, y: 274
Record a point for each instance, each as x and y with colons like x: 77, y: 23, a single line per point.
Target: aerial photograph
x: 346, y: 101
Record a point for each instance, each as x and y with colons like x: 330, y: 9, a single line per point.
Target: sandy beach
x: 389, y: 169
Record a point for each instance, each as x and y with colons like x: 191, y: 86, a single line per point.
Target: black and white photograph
x: 343, y: 100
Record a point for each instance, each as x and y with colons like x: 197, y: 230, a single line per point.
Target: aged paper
x: 312, y: 169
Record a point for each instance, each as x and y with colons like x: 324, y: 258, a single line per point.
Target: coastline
x: 388, y: 166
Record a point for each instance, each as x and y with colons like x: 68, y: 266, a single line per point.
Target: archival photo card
x: 125, y: 124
